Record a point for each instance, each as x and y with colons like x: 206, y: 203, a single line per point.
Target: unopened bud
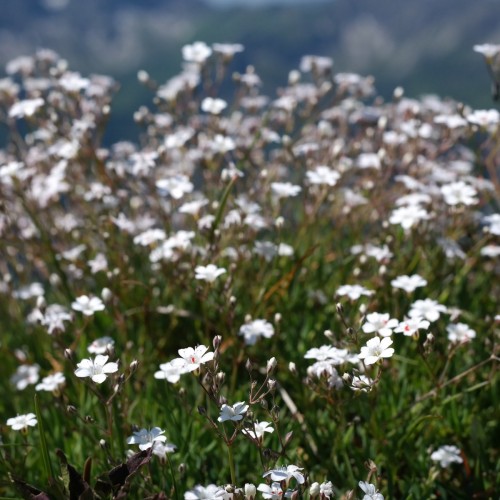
x: 41, y: 302
x: 71, y: 409
x: 106, y: 294
x: 292, y: 367
x: 340, y: 308
x: 217, y: 341
x: 248, y: 365
x: 103, y: 444
x: 277, y: 318
x: 68, y: 354
x: 271, y: 384
x: 328, y: 334
x: 250, y: 491
x: 133, y: 366
x: 202, y: 410
x: 271, y: 365
x: 314, y: 490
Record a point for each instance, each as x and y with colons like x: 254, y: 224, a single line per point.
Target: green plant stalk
x: 231, y: 464
x: 43, y: 443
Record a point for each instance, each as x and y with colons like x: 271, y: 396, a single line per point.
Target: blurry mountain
x: 423, y: 45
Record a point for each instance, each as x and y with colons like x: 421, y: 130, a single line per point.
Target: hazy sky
x: 222, y: 3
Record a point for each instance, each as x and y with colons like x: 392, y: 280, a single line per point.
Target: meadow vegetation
x: 293, y: 295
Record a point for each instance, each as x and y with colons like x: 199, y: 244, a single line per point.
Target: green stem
x: 231, y: 464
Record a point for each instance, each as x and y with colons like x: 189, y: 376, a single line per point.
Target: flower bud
x: 271, y: 365
x: 292, y: 367
x: 314, y: 490
x: 217, y: 341
x: 133, y: 366
x: 250, y: 491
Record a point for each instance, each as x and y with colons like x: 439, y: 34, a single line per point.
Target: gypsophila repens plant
x: 264, y: 296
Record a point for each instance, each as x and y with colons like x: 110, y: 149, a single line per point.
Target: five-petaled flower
x: 87, y: 305
x: 234, y: 413
x: 97, y: 369
x: 285, y: 473
x: 22, y: 422
x: 147, y: 438
x: 208, y: 273
x: 446, y: 455
x: 376, y: 349
x: 371, y: 492
x: 191, y: 359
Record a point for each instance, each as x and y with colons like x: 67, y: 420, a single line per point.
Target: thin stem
x: 231, y: 464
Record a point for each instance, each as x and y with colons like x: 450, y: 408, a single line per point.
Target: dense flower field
x: 290, y: 296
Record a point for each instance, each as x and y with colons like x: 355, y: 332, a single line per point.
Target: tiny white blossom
x: 234, y: 413
x: 460, y: 333
x: 101, y: 345
x: 146, y: 438
x: 459, y: 192
x: 446, y: 455
x: 410, y: 326
x: 285, y: 474
x: 370, y: 491
x: 51, y: 383
x: 171, y: 372
x: 255, y: 330
x: 214, y: 106
x: 408, y: 283
x: 191, y: 358
x: 258, y: 429
x: 376, y: 349
x: 22, y: 422
x: 285, y: 189
x: 271, y: 492
x: 354, y: 292
x: 97, y: 369
x: 208, y: 273
x: 197, y: 52
x: 87, y: 305
x: 25, y: 375
x: 428, y: 309
x: 381, y: 324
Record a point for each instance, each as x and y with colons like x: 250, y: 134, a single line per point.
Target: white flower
x: 489, y: 50
x: 411, y: 325
x: 255, y: 330
x: 208, y: 273
x: 285, y: 474
x: 354, y: 292
x: 210, y: 492
x: 326, y: 489
x: 258, y: 429
x: 25, y: 375
x: 380, y: 323
x: 371, y: 492
x: 22, y: 422
x: 234, y: 413
x: 446, y: 455
x: 214, y: 106
x: 101, y: 345
x: 285, y: 189
x: 87, y: 305
x: 176, y: 186
x: 250, y: 491
x: 408, y: 216
x: 459, y: 192
x: 171, y: 372
x: 323, y: 175
x: 97, y: 369
x: 409, y: 283
x: 28, y: 107
x: 198, y: 52
x: 361, y: 383
x: 146, y: 438
x: 161, y: 449
x: 376, y: 349
x: 493, y: 223
x: 53, y: 318
x: 484, y: 117
x: 460, y: 333
x: 191, y: 358
x: 51, y: 383
x: 272, y: 492
x: 428, y: 309
x: 325, y: 369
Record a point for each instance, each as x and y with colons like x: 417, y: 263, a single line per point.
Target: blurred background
x: 423, y: 45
